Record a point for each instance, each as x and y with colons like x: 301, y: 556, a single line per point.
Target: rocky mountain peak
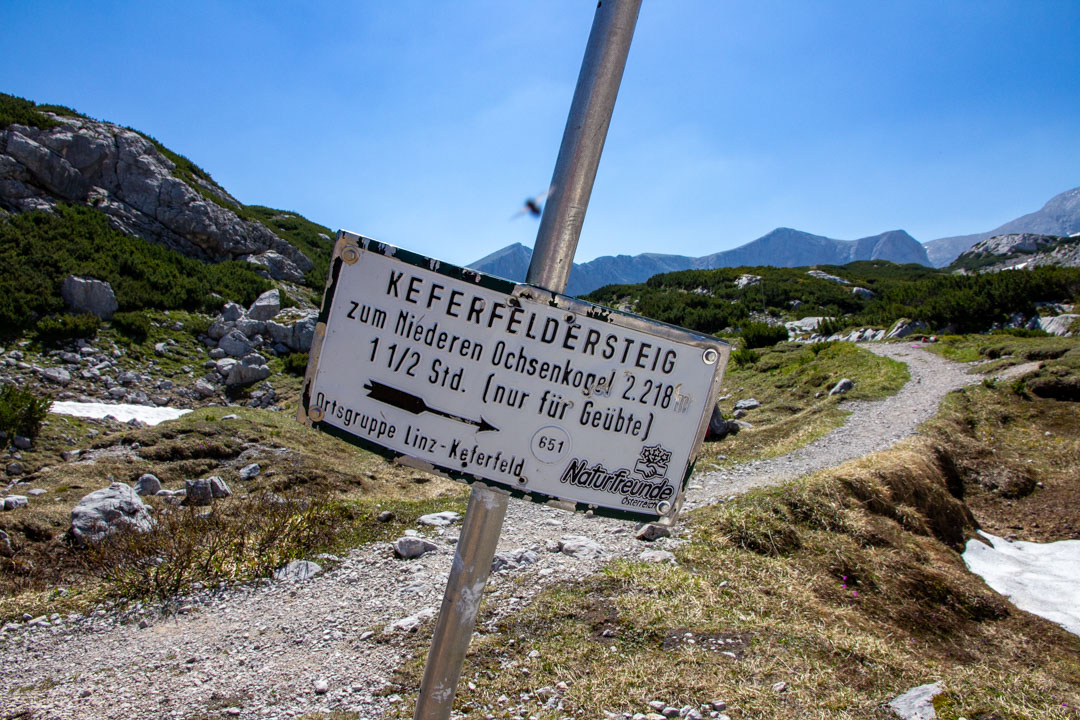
x: 127, y: 176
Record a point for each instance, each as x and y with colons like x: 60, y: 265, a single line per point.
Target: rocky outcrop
x: 123, y: 174
x: 1022, y: 251
x: 89, y: 295
x: 1059, y: 216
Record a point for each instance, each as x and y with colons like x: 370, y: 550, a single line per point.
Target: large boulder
x: 235, y: 344
x: 293, y: 328
x: 265, y: 306
x: 904, y: 327
x: 1058, y: 324
x: 88, y: 295
x: 107, y: 511
x: 251, y: 369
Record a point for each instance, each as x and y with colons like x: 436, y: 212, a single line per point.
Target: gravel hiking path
x: 283, y: 649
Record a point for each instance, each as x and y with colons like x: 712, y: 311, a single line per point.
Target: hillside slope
x: 51, y: 155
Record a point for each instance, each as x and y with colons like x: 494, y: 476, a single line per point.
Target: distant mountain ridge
x: 783, y: 247
x: 1059, y: 216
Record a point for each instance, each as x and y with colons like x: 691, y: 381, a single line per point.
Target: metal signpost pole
x: 553, y: 255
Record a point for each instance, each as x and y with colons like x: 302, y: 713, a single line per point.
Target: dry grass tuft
x: 846, y: 586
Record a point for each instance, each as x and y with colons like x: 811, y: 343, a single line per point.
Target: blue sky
x: 426, y: 124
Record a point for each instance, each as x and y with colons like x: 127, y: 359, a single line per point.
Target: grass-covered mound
x: 39, y: 249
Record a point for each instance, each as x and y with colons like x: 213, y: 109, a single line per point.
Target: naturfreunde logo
x: 645, y: 491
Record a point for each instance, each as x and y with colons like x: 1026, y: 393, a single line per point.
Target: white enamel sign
x: 479, y: 378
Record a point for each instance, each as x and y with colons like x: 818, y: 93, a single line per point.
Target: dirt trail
x: 265, y: 650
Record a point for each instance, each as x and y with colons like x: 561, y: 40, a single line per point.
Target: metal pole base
x: 464, y: 590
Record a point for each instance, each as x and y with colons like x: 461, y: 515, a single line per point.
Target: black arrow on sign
x: 415, y: 404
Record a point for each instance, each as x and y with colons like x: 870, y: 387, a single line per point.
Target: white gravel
x: 278, y: 650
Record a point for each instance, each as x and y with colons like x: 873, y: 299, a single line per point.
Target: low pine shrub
x: 57, y: 328
x: 296, y: 363
x: 134, y: 324
x: 760, y: 335
x: 22, y: 412
x: 743, y: 356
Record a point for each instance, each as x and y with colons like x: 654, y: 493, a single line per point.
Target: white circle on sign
x: 550, y: 444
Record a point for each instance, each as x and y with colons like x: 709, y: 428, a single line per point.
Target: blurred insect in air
x: 532, y: 205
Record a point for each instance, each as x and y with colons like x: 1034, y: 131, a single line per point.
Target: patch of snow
x: 1042, y: 578
x: 148, y: 414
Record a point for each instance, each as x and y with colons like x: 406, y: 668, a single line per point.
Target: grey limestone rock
x: 218, y: 488
x: 197, y: 492
x: 232, y: 312
x: 265, y: 306
x: 440, y: 519
x: 60, y: 376
x: 147, y: 484
x: 579, y: 546
x: 917, y: 703
x: 904, y: 327
x: 125, y: 176
x: 748, y: 404
x: 250, y: 327
x: 11, y: 502
x: 297, y: 571
x: 293, y: 328
x: 842, y: 387
x: 1058, y: 324
x: 513, y: 559
x: 89, y: 295
x: 410, y: 547
x: 203, y: 388
x: 410, y: 623
x: 235, y: 344
x: 250, y: 472
x: 652, y: 531
x: 106, y: 511
x: 251, y: 369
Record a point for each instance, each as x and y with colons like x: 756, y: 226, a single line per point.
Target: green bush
x: 1021, y: 332
x: 759, y: 335
x: 21, y: 413
x: 830, y: 326
x: 133, y: 324
x: 818, y: 347
x: 296, y: 363
x: 39, y: 249
x: 743, y: 356
x: 57, y: 328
